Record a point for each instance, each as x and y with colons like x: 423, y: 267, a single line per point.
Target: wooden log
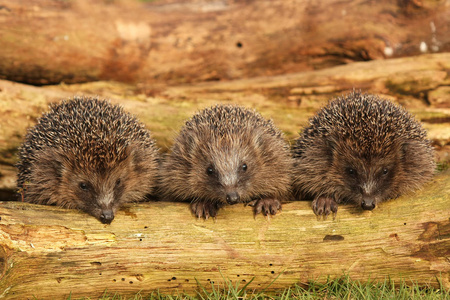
x: 49, y: 252
x: 195, y: 41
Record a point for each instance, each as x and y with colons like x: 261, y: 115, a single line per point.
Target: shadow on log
x: 49, y: 252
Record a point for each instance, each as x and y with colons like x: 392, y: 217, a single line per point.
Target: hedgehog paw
x: 204, y: 210
x: 266, y: 206
x: 324, y: 206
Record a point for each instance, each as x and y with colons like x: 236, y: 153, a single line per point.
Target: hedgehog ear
x: 406, y: 146
x: 411, y: 150
x: 407, y: 149
x: 132, y: 155
x: 135, y: 154
x: 417, y: 161
x: 51, y: 164
x: 260, y: 140
x: 330, y: 146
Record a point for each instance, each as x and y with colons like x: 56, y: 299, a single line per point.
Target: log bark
x: 49, y: 252
x: 195, y: 41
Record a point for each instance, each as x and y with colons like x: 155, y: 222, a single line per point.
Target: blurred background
x: 165, y: 59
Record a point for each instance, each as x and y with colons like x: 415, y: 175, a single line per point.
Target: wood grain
x: 49, y: 252
x: 197, y: 41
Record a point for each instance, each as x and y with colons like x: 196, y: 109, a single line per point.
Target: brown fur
x: 87, y: 154
x: 228, y: 154
x: 361, y: 149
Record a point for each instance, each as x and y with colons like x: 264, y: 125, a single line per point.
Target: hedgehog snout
x: 106, y: 204
x: 107, y: 216
x: 368, y: 203
x: 228, y: 181
x: 233, y: 197
x: 369, y: 192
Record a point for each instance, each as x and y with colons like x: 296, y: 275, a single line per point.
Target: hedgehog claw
x: 204, y: 210
x: 266, y: 206
x: 251, y: 203
x: 324, y: 206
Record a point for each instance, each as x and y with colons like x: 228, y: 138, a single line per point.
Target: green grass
x: 342, y: 288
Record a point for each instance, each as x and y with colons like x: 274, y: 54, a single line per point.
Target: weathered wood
x: 49, y: 252
x: 195, y: 41
x: 288, y: 99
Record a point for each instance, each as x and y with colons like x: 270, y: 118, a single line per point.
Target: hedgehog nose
x: 232, y: 198
x: 107, y: 216
x: 368, y: 204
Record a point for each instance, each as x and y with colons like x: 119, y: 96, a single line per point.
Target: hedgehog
x: 88, y: 154
x: 228, y: 154
x: 360, y: 149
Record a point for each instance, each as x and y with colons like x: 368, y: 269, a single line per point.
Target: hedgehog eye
x: 385, y: 171
x: 351, y: 171
x: 84, y: 186
x: 118, y: 182
x: 209, y: 170
x: 244, y: 167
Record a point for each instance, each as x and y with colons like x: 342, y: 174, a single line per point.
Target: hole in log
x: 394, y: 235
x: 131, y: 282
x: 114, y: 280
x: 186, y: 280
x: 140, y: 240
x: 174, y: 278
x: 330, y: 237
x: 123, y: 279
x: 139, y: 277
x: 270, y: 264
x: 96, y: 263
x: 239, y: 44
x: 272, y: 272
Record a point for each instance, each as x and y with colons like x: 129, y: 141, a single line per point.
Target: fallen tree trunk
x: 195, y: 41
x: 48, y: 252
